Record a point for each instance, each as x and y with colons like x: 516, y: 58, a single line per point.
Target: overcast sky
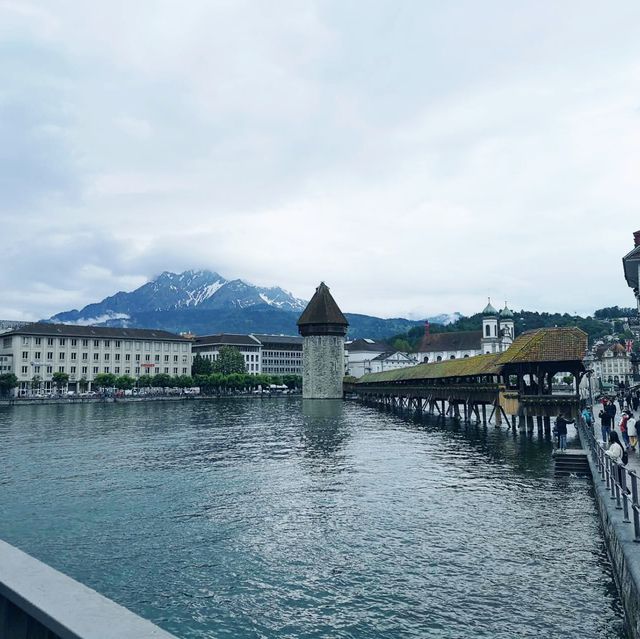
x: 418, y: 156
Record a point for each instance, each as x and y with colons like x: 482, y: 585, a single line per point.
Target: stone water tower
x: 323, y: 327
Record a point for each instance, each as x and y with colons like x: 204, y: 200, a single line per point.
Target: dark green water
x: 247, y: 518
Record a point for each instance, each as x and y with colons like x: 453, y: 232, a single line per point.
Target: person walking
x: 561, y: 429
x: 605, y: 423
x: 632, y: 431
x: 587, y: 416
x: 635, y: 402
x: 622, y: 427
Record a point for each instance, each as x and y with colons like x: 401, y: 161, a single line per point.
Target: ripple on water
x: 270, y: 519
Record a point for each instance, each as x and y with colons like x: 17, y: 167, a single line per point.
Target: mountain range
x: 204, y: 302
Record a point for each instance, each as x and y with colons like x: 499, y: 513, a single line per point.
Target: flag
x: 629, y: 344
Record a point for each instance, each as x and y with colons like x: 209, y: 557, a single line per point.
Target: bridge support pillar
x: 484, y: 414
x: 547, y: 425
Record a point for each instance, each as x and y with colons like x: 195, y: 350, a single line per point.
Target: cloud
x: 416, y: 156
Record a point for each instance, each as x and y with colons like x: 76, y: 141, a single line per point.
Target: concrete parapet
x: 37, y: 601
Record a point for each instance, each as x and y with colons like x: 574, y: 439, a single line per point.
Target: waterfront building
x: 208, y: 347
x: 323, y: 328
x: 281, y: 354
x: 496, y: 336
x: 631, y: 265
x: 611, y: 363
x: 37, y: 351
x: 363, y: 356
x: 8, y: 325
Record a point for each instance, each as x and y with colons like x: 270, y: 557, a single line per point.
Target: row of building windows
x: 96, y: 369
x: 96, y: 356
x: 97, y: 343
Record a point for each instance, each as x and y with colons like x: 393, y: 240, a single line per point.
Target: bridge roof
x: 546, y: 345
x: 465, y: 367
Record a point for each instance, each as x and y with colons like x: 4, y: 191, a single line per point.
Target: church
x: 495, y: 337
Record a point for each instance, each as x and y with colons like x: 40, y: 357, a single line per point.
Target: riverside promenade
x: 617, y: 491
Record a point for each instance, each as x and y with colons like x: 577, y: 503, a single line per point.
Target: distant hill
x: 205, y: 302
x: 524, y: 320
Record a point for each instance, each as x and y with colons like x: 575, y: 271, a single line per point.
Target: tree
x: 144, y: 381
x: 292, y: 381
x: 105, y: 380
x: 8, y: 381
x: 183, y: 381
x: 401, y: 345
x: 202, y: 382
x: 125, y: 382
x: 201, y: 366
x: 60, y: 379
x: 230, y: 360
x: 36, y: 382
x: 162, y: 380
x: 83, y: 384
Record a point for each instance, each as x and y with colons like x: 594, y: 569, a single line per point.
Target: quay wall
x: 38, y: 602
x: 623, y: 551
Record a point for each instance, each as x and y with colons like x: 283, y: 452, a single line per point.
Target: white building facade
x: 250, y: 347
x: 37, y: 351
x: 281, y: 354
x: 498, y: 330
x: 363, y: 356
x: 612, y: 364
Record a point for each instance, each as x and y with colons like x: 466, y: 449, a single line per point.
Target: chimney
x: 636, y: 238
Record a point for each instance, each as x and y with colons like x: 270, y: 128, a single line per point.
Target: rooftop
x: 289, y: 340
x: 367, y: 345
x: 454, y: 341
x: 71, y: 330
x: 228, y: 339
x: 489, y: 310
x: 547, y: 345
x: 465, y: 367
x: 322, y: 309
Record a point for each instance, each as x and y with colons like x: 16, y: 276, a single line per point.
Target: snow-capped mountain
x: 204, y: 302
x: 191, y: 290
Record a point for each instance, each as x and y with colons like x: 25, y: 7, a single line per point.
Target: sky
x: 416, y: 155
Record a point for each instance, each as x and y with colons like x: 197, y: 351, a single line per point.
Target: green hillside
x: 603, y: 323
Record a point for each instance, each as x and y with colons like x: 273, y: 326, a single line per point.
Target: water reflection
x: 324, y: 432
x: 282, y: 518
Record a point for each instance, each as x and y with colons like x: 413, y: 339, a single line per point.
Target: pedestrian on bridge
x: 561, y: 429
x: 622, y: 427
x: 605, y: 423
x: 632, y: 431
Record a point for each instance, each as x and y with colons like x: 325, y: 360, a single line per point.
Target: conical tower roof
x: 489, y: 310
x: 322, y: 315
x: 506, y: 312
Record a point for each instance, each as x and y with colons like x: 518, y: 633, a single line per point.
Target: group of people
x: 623, y: 426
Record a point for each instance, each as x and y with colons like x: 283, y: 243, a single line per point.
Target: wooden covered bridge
x: 515, y: 386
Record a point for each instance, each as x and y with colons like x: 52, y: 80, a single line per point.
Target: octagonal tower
x: 323, y: 327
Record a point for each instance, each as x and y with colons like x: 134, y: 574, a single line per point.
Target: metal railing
x: 621, y: 483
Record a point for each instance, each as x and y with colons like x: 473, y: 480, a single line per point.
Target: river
x: 252, y: 518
